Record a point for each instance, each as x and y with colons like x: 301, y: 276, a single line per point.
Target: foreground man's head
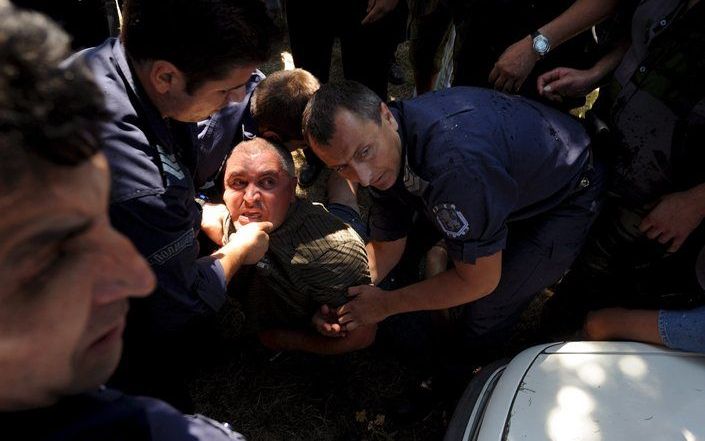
x: 66, y: 273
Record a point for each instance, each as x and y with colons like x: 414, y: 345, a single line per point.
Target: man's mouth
x: 251, y: 216
x: 377, y: 182
x: 111, y: 335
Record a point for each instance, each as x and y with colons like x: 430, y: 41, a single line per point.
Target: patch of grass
x: 295, y: 396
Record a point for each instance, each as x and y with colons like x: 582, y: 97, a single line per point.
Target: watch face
x: 541, y: 45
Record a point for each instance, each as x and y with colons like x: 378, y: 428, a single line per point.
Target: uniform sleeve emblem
x: 451, y: 220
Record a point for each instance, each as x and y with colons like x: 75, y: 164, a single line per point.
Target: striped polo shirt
x: 313, y: 258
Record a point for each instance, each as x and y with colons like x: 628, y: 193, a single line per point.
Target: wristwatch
x: 541, y: 44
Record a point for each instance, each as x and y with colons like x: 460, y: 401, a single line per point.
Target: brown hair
x: 279, y: 101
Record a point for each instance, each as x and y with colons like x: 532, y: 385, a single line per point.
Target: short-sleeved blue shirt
x: 475, y: 160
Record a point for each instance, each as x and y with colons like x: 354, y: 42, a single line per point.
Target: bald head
x: 260, y: 183
x: 256, y: 147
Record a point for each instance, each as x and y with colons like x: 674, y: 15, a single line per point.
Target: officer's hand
x: 377, y: 9
x: 212, y: 221
x: 566, y: 82
x: 252, y: 240
x: 513, y: 66
x: 674, y: 218
x: 367, y: 306
x: 325, y: 320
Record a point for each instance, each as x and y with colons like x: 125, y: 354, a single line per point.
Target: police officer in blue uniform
x: 509, y: 185
x: 66, y: 272
x: 218, y: 135
x: 176, y: 63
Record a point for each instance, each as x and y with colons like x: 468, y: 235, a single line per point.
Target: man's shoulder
x: 156, y: 420
x: 106, y: 62
x: 109, y: 415
x: 319, y: 221
x: 125, y: 143
x: 316, y: 235
x: 97, y: 57
x: 306, y: 211
x: 168, y: 424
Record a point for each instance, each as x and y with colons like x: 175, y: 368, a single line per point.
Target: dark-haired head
x: 319, y: 116
x: 354, y: 133
x: 205, y: 39
x: 49, y: 112
x: 66, y: 273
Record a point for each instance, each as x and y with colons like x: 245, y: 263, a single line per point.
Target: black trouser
x: 157, y: 363
x: 484, y: 29
x: 620, y: 266
x: 366, y: 50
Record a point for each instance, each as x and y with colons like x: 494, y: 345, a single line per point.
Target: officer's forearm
x: 231, y: 257
x: 610, y: 61
x: 459, y: 285
x: 580, y: 16
x: 623, y: 324
x: 383, y: 256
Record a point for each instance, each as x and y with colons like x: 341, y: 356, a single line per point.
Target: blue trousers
x: 539, y: 251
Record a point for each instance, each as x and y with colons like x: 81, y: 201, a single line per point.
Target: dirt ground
x: 292, y: 396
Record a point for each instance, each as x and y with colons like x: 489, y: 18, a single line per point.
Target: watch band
x: 540, y: 43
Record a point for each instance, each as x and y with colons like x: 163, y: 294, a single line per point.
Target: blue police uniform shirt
x: 152, y: 161
x: 108, y: 415
x: 473, y: 161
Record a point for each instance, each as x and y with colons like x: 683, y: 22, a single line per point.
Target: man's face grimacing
x: 66, y: 277
x: 258, y: 187
x: 363, y: 151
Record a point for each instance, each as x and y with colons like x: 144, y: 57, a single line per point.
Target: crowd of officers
x: 154, y: 169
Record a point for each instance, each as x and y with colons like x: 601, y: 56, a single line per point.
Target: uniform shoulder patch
x: 451, y: 220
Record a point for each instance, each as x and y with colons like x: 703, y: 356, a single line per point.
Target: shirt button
x: 663, y: 22
x: 584, y: 182
x: 642, y: 69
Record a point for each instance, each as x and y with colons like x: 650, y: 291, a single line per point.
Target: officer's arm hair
x: 279, y: 101
x: 49, y: 113
x: 319, y: 115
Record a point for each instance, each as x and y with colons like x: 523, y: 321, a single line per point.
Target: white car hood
x: 597, y: 391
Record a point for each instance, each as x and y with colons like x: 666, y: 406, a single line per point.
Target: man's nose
x: 252, y: 194
x: 123, y: 272
x: 362, y: 174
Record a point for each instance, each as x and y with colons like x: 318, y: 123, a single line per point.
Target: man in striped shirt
x: 313, y: 256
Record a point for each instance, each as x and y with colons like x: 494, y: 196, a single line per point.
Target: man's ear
x: 166, y: 77
x: 270, y: 135
x: 294, y: 183
x: 387, y: 117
